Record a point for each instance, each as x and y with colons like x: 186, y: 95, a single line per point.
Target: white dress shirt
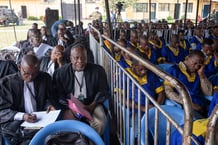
x: 29, y: 100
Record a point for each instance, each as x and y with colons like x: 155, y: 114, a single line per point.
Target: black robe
x: 96, y: 82
x: 12, y: 99
x: 44, y: 64
x: 7, y: 67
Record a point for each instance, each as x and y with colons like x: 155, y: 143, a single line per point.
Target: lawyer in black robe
x: 96, y: 88
x: 11, y: 95
x: 95, y: 78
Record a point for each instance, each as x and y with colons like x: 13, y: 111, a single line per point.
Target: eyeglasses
x: 61, y: 29
x: 29, y: 74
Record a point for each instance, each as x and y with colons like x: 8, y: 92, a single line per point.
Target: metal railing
x: 120, y: 82
x: 212, y: 127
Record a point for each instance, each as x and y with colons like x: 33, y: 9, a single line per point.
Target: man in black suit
x: 22, y: 93
x: 85, y: 81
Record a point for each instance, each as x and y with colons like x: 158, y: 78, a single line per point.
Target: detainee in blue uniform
x: 133, y: 39
x: 126, y: 60
x: 214, y: 81
x: 150, y: 83
x: 197, y: 39
x: 183, y: 42
x: 173, y: 53
x: 156, y: 44
x: 190, y: 73
x: 211, y: 66
x: 145, y: 49
x: 117, y: 50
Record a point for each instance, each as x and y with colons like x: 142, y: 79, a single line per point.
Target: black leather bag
x: 66, y: 138
x: 17, y: 134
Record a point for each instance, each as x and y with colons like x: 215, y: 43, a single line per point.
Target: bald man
x: 22, y: 93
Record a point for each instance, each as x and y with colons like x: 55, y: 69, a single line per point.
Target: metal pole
x: 78, y: 10
x: 149, y: 10
x: 75, y: 13
x: 15, y: 35
x: 186, y: 7
x: 196, y: 19
x: 210, y: 9
x: 109, y: 22
x: 62, y: 13
x: 108, y: 17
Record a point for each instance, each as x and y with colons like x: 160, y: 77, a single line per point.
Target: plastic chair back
x: 67, y: 125
x: 177, y: 114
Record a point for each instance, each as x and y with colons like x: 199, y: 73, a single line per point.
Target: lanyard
x: 31, y: 92
x: 50, y: 64
x: 80, y: 84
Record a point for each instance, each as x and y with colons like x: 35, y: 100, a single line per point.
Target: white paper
x: 44, y: 119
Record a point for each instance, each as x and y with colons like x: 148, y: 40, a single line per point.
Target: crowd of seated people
x: 191, y: 51
x: 45, y: 78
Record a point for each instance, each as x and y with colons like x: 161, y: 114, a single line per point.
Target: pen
x: 48, y: 110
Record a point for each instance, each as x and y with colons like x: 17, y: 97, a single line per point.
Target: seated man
x: 86, y: 82
x: 149, y: 82
x: 197, y: 39
x: 126, y: 60
x: 117, y: 50
x: 173, y: 53
x: 36, y: 46
x: 190, y: 73
x: 50, y: 64
x: 183, y: 42
x: 63, y: 36
x: 156, y: 44
x: 7, y: 67
x: 211, y: 58
x: 145, y: 49
x: 21, y: 94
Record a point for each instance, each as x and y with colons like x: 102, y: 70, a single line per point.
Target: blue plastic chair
x: 67, y: 125
x: 164, y: 66
x: 177, y: 114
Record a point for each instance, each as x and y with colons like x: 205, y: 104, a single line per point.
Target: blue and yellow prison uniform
x: 198, y: 133
x: 214, y: 81
x: 129, y: 43
x: 191, y: 81
x: 213, y: 103
x: 172, y: 55
x: 210, y: 67
x: 150, y: 83
x: 107, y: 46
x: 213, y: 37
x: 125, y: 63
x: 196, y: 41
x: 186, y: 46
x: 150, y: 55
x: 156, y: 47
